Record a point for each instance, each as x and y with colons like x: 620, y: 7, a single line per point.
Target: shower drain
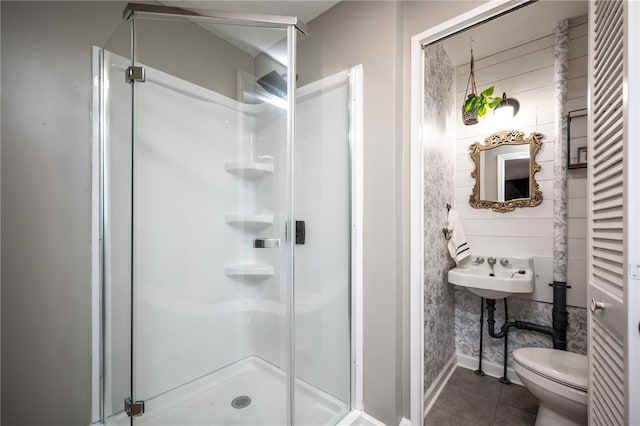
x: 240, y: 401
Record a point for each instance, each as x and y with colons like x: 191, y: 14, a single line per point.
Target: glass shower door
x: 323, y: 256
x: 208, y: 320
x: 211, y: 261
x: 116, y: 110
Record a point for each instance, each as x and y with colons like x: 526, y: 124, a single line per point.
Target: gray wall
x: 377, y: 35
x: 188, y: 51
x: 46, y: 169
x: 417, y: 17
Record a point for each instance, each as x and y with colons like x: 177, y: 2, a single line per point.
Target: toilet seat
x: 565, y: 368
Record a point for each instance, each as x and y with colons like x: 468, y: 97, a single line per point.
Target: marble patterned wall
x: 560, y: 192
x: 468, y: 324
x: 439, y: 145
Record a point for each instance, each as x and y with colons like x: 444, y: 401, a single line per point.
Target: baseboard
x: 370, y: 421
x: 350, y: 419
x: 360, y: 418
x: 489, y: 368
x: 431, y: 395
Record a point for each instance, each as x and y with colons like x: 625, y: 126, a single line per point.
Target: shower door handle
x: 301, y: 231
x: 266, y: 243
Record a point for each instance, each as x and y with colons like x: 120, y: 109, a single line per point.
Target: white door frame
x: 96, y: 264
x: 502, y: 159
x: 356, y: 139
x: 633, y: 227
x: 431, y: 35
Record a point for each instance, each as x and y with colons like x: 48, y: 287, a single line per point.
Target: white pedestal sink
x: 505, y: 279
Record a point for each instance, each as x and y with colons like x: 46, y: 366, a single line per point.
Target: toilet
x: 559, y: 380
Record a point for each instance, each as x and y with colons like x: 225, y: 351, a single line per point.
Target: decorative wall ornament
x: 503, y: 138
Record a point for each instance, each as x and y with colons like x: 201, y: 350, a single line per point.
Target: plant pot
x: 470, y: 118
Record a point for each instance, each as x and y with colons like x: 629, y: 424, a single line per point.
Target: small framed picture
x: 582, y: 155
x: 577, y: 123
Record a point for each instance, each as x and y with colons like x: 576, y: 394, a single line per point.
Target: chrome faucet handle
x: 478, y: 260
x: 491, y: 260
x: 504, y: 262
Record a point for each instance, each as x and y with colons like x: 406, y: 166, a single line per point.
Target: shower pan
x: 227, y: 225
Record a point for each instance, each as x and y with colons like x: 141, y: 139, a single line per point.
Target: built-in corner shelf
x: 249, y: 271
x: 249, y: 170
x: 249, y: 220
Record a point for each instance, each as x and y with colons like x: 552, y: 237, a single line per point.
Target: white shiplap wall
x: 526, y: 73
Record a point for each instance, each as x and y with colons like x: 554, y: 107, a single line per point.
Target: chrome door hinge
x: 133, y: 409
x: 136, y: 74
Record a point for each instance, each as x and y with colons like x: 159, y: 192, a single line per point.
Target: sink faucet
x: 504, y: 262
x: 491, y: 261
x: 478, y: 260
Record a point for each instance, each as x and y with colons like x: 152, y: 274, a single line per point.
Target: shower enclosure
x: 226, y: 225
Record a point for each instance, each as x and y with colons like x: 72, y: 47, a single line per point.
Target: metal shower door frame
x: 219, y: 17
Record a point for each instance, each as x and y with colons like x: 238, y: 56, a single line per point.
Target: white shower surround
x: 204, y: 399
x: 184, y: 138
x: 253, y: 318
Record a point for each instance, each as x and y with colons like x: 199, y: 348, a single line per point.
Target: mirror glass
x: 505, y: 173
x: 505, y: 170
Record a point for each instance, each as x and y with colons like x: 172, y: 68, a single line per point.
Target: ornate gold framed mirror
x: 504, y: 173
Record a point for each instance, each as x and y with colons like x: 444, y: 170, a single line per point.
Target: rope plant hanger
x: 475, y: 105
x: 470, y: 116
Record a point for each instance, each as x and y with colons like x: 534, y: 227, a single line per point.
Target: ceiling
x: 525, y: 24
x: 522, y: 25
x: 305, y: 10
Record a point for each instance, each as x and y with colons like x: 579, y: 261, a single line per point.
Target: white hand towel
x: 458, y: 246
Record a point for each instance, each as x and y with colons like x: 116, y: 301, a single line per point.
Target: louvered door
x: 614, y: 215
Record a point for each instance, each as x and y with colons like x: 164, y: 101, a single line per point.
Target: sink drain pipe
x: 520, y: 325
x: 560, y: 314
x: 560, y: 319
x: 558, y: 331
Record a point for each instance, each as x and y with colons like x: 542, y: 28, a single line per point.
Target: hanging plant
x: 482, y: 102
x: 476, y: 105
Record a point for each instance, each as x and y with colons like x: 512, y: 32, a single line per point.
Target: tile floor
x: 470, y: 400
